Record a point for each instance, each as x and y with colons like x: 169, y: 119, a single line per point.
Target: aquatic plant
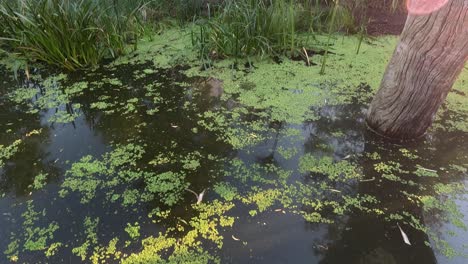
x: 245, y: 28
x: 7, y: 152
x: 133, y: 230
x: 330, y: 31
x: 226, y: 191
x: 51, y: 95
x: 70, y: 34
x: 32, y: 236
x: 337, y: 171
x: 117, y: 168
x: 90, y: 227
x: 40, y: 181
x: 141, y: 178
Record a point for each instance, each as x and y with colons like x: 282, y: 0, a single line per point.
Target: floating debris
x: 403, y: 234
x: 199, y: 196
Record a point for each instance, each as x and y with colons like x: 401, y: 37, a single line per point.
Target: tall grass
x: 245, y: 28
x: 249, y: 27
x: 78, y: 33
x: 330, y: 31
x: 68, y: 33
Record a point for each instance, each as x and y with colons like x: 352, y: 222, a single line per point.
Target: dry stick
x: 26, y: 70
x: 368, y: 180
x: 307, y: 56
x: 426, y: 169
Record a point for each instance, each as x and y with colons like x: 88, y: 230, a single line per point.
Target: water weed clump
x: 7, y: 152
x: 70, y: 34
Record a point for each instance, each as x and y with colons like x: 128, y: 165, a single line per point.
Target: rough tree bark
x: 432, y: 51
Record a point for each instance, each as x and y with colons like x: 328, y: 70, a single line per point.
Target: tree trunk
x: 430, y: 55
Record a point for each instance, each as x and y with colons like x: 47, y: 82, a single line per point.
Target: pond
x: 151, y: 159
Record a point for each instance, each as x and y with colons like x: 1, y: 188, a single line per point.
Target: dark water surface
x: 269, y: 237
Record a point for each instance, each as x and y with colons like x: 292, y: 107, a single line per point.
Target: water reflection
x: 357, y: 237
x: 166, y: 121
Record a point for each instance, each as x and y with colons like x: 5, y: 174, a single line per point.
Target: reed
x: 246, y: 28
x: 68, y: 33
x: 330, y: 32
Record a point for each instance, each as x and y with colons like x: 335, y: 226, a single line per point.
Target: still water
x: 161, y: 111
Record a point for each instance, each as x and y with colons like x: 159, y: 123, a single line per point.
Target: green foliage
x: 22, y: 94
x: 168, y: 186
x: 287, y: 153
x: 337, y: 171
x: 40, y: 181
x: 319, y: 189
x: 388, y: 167
x: 226, y: 191
x: 51, y: 96
x: 90, y: 229
x: 191, y: 161
x: 264, y: 199
x: 407, y: 153
x: 68, y: 33
x: 33, y: 237
x: 161, y: 13
x: 211, y: 217
x: 246, y: 28
x: 152, y: 250
x: 102, y: 254
x: 119, y: 168
x: 6, y: 152
x: 133, y: 231
x: 423, y: 172
x: 188, y: 248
